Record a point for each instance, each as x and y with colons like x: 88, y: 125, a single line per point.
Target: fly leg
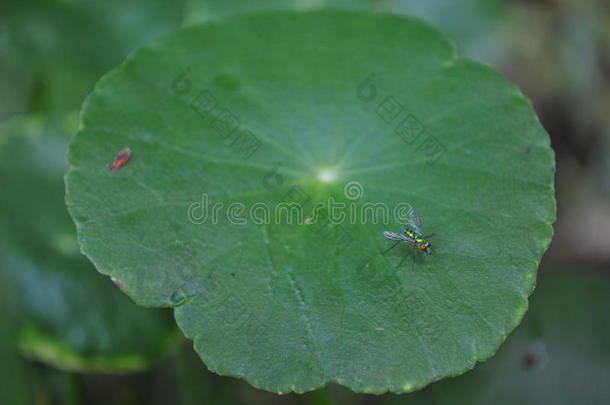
x: 402, y: 261
x: 413, y: 258
x: 405, y: 258
x: 390, y: 248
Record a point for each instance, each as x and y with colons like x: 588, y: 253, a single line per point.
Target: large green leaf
x: 71, y: 316
x: 294, y: 306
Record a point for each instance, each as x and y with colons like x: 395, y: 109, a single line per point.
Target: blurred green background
x: 69, y: 336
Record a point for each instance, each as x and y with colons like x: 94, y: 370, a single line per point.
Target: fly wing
x: 414, y: 221
x: 394, y: 236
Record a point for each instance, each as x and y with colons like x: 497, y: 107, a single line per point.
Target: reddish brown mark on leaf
x: 121, y: 159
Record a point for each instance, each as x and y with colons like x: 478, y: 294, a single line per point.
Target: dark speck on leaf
x: 227, y: 82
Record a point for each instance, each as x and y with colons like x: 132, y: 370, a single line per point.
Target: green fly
x: 411, y: 234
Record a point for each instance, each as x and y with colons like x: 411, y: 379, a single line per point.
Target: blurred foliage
x: 53, y: 51
x: 16, y: 387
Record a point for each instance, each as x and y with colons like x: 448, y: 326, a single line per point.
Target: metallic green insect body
x: 412, y: 235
